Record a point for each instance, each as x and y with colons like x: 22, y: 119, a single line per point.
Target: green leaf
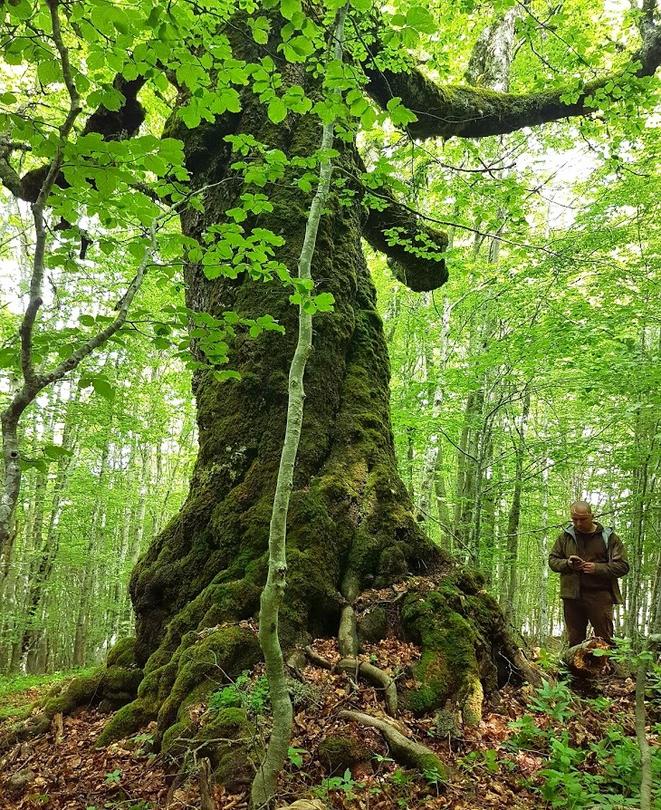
x: 40, y: 464
x: 56, y: 451
x: 289, y: 7
x: 103, y: 388
x: 419, y: 18
x: 399, y: 114
x: 324, y: 302
x: 277, y: 111
x: 48, y: 71
x: 226, y: 374
x: 8, y: 357
x: 260, y: 28
x: 299, y: 48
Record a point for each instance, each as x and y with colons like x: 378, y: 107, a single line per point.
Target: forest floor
x: 523, y: 743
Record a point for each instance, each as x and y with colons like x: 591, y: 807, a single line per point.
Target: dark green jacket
x: 570, y: 580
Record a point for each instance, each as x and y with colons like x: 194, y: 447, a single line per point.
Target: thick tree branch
x: 471, y: 112
x: 113, y: 125
x: 8, y: 176
x: 413, y: 248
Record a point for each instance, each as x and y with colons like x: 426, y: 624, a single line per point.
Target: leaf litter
x: 62, y: 770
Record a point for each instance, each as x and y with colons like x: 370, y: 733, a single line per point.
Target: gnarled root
x: 407, y: 752
x: 375, y: 676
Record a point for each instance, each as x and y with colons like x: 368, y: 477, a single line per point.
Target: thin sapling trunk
x: 264, y: 784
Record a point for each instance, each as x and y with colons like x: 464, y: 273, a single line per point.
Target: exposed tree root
x: 407, y: 752
x: 347, y: 637
x: 375, y: 676
x: 317, y: 660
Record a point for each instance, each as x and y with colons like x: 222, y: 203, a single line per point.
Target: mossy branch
x: 472, y: 112
x: 413, y: 248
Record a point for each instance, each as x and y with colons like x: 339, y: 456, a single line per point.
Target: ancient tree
x: 351, y: 523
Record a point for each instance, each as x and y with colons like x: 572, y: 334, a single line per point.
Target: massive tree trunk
x: 351, y: 521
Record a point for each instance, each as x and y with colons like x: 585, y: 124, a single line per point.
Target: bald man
x: 589, y: 558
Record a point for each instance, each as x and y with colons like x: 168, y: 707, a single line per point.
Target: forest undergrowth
x: 565, y: 744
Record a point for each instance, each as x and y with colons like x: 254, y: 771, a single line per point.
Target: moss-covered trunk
x: 349, y: 512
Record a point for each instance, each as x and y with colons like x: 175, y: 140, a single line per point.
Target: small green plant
x: 570, y: 781
x: 527, y: 735
x: 295, y: 755
x: 345, y: 783
x: 433, y: 777
x: 600, y: 704
x: 380, y: 759
x: 491, y: 763
x: 114, y: 777
x: 554, y: 700
x: 253, y: 697
x: 400, y: 777
x: 486, y: 759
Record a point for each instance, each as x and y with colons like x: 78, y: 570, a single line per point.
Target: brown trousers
x: 595, y: 607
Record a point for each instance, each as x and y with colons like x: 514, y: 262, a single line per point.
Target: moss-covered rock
x: 203, y: 664
x: 126, y: 721
x: 448, y: 642
x: 303, y: 694
x: 337, y: 752
x: 459, y: 628
x: 227, y: 737
x: 81, y: 691
x: 372, y: 624
x: 119, y: 685
x: 176, y: 739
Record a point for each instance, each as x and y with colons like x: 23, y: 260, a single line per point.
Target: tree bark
x: 515, y: 513
x: 351, y: 521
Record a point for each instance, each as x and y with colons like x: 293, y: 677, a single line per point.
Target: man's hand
x: 587, y: 568
x: 576, y: 562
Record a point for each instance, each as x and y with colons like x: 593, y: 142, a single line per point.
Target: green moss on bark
x: 456, y: 633
x: 122, y: 654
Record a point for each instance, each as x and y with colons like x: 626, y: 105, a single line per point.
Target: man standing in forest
x: 589, y: 559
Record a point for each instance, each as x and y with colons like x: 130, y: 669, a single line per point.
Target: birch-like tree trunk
x: 264, y: 783
x: 512, y: 544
